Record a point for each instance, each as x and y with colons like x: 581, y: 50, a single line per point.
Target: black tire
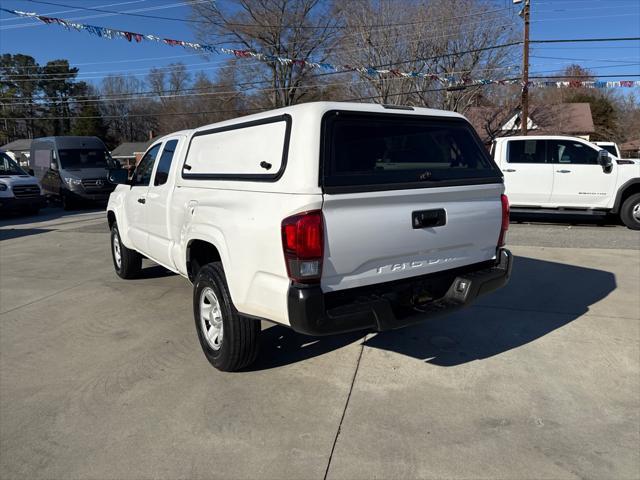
x: 630, y: 205
x: 239, y: 340
x: 130, y: 262
x: 67, y: 203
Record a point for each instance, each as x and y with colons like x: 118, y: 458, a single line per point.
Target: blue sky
x: 97, y: 57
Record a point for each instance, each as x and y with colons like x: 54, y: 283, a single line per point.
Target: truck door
x: 156, y: 219
x: 579, y: 181
x: 528, y: 177
x: 136, y: 199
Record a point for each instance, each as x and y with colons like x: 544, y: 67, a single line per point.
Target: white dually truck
x: 558, y: 174
x: 323, y: 217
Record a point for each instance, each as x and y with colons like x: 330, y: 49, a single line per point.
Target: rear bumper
x: 394, y: 304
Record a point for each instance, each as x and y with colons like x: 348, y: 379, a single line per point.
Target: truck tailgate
x: 380, y: 236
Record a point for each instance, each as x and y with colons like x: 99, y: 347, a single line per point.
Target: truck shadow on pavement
x: 541, y: 297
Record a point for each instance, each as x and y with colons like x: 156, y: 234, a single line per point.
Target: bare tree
x: 437, y: 38
x: 292, y: 29
x: 127, y: 114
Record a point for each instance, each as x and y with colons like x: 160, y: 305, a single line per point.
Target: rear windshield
x: 83, y: 158
x: 379, y: 150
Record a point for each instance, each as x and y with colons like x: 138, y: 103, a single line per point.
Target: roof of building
x: 631, y: 145
x: 20, y: 145
x: 129, y: 149
x: 558, y: 119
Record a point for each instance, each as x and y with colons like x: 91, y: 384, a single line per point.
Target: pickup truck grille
x: 95, y: 184
x: 26, y: 191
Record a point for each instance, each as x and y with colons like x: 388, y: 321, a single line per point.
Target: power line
x: 572, y: 40
x: 346, y: 70
x: 235, y: 24
x: 12, y: 19
x: 146, y: 9
x: 81, y: 76
x: 162, y: 95
x: 456, y: 88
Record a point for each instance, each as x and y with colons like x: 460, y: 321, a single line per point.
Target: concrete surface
x: 103, y: 378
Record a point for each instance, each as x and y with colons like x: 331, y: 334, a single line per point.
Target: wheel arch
x: 625, y: 191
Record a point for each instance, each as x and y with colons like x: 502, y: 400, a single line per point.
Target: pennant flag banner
x: 448, y: 80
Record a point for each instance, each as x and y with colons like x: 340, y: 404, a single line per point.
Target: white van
x: 19, y: 191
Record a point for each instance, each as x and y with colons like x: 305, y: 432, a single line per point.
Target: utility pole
x: 524, y: 118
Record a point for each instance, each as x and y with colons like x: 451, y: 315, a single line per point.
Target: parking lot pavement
x: 104, y: 378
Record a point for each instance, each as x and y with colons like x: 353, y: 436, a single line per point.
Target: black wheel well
x: 111, y: 218
x: 627, y: 192
x: 199, y: 253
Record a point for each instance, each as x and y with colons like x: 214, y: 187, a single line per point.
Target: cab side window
x: 164, y: 164
x: 142, y: 175
x: 571, y: 152
x: 526, y: 151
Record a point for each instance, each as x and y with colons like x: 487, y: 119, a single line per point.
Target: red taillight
x: 505, y: 220
x: 303, y: 245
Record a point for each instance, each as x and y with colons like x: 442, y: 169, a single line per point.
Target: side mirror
x: 118, y: 176
x: 54, y: 166
x: 605, y: 161
x: 31, y: 172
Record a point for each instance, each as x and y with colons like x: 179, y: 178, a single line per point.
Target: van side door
x: 136, y: 199
x: 528, y: 177
x: 159, y: 194
x: 579, y: 180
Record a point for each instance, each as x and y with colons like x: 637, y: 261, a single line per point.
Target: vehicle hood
x: 18, y: 180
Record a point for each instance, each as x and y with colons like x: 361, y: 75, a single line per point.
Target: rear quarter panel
x: 244, y: 226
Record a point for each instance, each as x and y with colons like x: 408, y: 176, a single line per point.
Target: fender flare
x: 205, y: 233
x: 116, y: 207
x: 618, y: 202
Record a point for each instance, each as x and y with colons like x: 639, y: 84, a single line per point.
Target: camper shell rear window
x: 370, y: 151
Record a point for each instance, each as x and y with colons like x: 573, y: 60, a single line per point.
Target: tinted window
x: 164, y: 164
x: 142, y: 175
x: 526, y: 151
x: 365, y: 149
x: 567, y: 151
x: 83, y: 158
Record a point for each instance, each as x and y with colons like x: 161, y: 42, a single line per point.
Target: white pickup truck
x: 557, y: 174
x: 323, y: 217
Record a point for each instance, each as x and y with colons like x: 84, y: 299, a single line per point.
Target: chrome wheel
x: 117, y: 253
x: 635, y: 212
x: 211, y: 318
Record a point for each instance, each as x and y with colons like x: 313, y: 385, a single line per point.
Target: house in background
x: 130, y: 153
x: 630, y: 149
x: 573, y: 119
x: 19, y: 151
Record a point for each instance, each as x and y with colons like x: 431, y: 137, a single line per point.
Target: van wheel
x: 126, y: 262
x: 630, y: 212
x: 228, y: 339
x: 67, y: 203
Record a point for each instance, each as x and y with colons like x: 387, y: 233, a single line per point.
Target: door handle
x: 563, y: 171
x: 509, y: 170
x: 142, y: 200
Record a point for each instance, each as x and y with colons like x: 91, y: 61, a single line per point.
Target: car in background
x: 72, y: 169
x: 19, y: 191
x: 611, y: 147
x: 558, y: 174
